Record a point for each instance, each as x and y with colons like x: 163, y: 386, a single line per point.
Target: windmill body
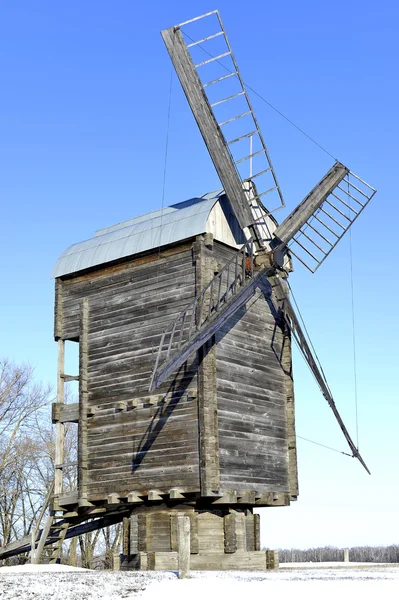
x: 217, y: 437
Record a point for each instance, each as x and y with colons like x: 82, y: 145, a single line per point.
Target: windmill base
x: 168, y: 561
x: 225, y: 538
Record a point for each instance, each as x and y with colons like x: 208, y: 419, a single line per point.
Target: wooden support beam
x: 246, y: 497
x: 113, y: 499
x: 59, y: 428
x: 65, y: 413
x: 153, y: 496
x: 175, y: 494
x: 230, y: 537
x: 134, y: 498
x: 67, y: 378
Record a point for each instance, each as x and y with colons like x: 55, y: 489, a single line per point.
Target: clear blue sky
x: 83, y: 113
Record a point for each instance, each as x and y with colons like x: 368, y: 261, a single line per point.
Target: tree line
x: 27, y: 450
x: 372, y: 554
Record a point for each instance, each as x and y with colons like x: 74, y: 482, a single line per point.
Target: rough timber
x: 216, y: 439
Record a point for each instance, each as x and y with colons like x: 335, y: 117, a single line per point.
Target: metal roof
x: 158, y: 228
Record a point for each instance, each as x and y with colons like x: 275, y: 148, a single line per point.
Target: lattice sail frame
x: 224, y: 89
x: 319, y: 235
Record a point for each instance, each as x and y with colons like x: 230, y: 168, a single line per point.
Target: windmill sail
x: 317, y: 224
x: 219, y: 101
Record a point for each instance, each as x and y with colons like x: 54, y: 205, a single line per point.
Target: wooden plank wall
x: 135, y: 441
x: 251, y: 397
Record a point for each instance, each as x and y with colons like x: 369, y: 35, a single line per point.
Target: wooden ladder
x: 229, y: 289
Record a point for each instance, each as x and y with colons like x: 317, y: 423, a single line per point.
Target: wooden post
x: 272, y: 561
x: 83, y: 397
x: 346, y: 555
x: 183, y: 537
x: 116, y: 563
x: 33, y: 546
x: 59, y: 428
x: 207, y: 400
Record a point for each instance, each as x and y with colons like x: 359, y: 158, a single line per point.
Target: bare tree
x: 21, y: 399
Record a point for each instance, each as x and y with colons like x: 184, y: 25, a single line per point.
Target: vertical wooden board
x: 126, y: 536
x: 291, y: 432
x: 58, y: 312
x: 250, y: 532
x: 143, y: 532
x: 133, y: 534
x: 230, y: 537
x: 241, y: 532
x: 256, y: 532
x: 194, y: 533
x: 210, y: 533
x: 207, y: 398
x: 83, y: 401
x: 252, y: 395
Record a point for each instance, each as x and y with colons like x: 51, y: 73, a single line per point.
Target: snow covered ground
x: 321, y: 581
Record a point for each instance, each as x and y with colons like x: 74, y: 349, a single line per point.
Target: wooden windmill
x: 184, y: 326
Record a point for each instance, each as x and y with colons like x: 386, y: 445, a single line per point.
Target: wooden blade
x: 290, y: 318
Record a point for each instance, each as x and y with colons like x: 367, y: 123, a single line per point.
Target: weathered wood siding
x: 251, y: 397
x: 151, y: 444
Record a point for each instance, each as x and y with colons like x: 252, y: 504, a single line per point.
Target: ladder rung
x: 347, y: 205
x: 219, y: 79
x: 339, y: 211
x: 332, y: 218
x: 205, y: 39
x: 350, y: 195
x: 242, y: 137
x: 306, y: 250
x: 326, y: 226
x: 266, y: 192
x: 312, y: 241
x: 358, y: 189
x: 258, y: 174
x: 249, y: 156
x: 303, y: 262
x: 226, y: 99
x: 205, y: 62
x: 208, y: 14
x: 249, y: 112
x: 320, y: 234
x: 364, y: 183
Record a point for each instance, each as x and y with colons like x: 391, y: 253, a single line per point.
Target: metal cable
x: 164, y: 183
x: 266, y: 101
x: 353, y: 331
x: 323, y: 446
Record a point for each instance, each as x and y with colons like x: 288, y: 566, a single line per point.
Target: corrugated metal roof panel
x: 158, y: 228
